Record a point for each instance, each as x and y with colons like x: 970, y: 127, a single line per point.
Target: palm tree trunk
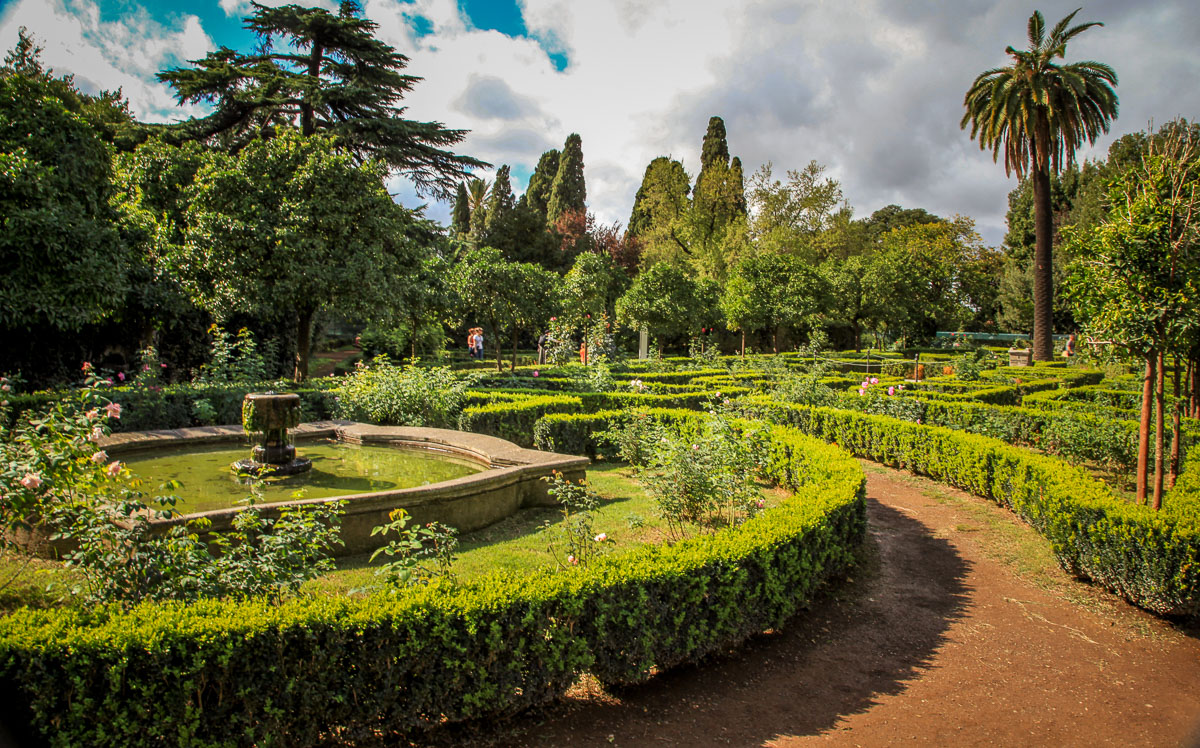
x: 1043, y: 264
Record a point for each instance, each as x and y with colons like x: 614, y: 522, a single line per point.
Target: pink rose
x: 602, y: 537
x: 97, y: 433
x: 874, y: 380
x: 92, y: 414
x: 87, y: 366
x: 113, y: 410
x: 31, y: 480
x: 891, y: 391
x: 4, y: 387
x: 121, y: 375
x: 114, y: 468
x: 572, y: 560
x: 554, y: 319
x: 100, y: 457
x: 535, y: 373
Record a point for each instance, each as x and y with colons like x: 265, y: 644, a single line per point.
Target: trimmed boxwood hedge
x: 1150, y: 558
x: 312, y: 670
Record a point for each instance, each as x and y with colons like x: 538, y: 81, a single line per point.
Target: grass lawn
x: 518, y: 544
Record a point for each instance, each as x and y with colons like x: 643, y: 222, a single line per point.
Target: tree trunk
x: 857, y: 338
x: 308, y: 124
x: 743, y: 345
x: 1144, y: 429
x: 1159, y: 462
x: 1043, y: 264
x: 303, y: 343
x: 775, y: 339
x: 1176, y: 427
x: 513, y: 367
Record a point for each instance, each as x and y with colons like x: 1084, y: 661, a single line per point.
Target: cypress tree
x: 323, y: 73
x: 663, y: 196
x: 500, y: 204
x: 460, y: 219
x: 537, y: 194
x: 569, y: 191
x: 737, y: 183
x: 715, y: 149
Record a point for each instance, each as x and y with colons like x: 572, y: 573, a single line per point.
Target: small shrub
x: 418, y: 554
x: 410, y: 395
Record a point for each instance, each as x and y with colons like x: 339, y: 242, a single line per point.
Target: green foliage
x: 410, y: 395
x: 666, y: 301
x: 326, y: 74
x: 418, y: 555
x: 1148, y: 557
x: 770, y: 292
x: 573, y: 539
x: 540, y: 183
x: 65, y: 265
x: 514, y: 420
x: 568, y: 193
x: 436, y: 653
x: 289, y: 226
x: 236, y: 360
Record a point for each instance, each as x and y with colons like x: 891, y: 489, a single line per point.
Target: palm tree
x: 478, y: 192
x: 1039, y: 112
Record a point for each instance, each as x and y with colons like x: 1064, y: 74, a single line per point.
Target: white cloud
x: 240, y: 8
x: 871, y: 88
x: 106, y: 55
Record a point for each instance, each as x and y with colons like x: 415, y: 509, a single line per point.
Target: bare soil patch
x: 957, y: 629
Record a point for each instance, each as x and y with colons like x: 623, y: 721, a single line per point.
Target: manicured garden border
x: 313, y: 669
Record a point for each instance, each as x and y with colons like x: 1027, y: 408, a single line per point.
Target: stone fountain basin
x: 511, y: 480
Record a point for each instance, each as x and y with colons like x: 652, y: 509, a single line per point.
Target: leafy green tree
x: 1039, y: 112
x: 537, y: 193
x: 592, y: 287
x: 1136, y: 276
x: 323, y: 73
x: 460, y: 217
x: 293, y: 225
x: 65, y: 265
x: 939, y: 276
x: 508, y: 297
x: 718, y: 200
x: 568, y: 193
x: 770, y: 292
x: 666, y: 301
x: 859, y: 298
x: 658, y: 209
x: 790, y: 217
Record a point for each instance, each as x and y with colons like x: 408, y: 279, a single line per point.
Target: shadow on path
x: 867, y: 639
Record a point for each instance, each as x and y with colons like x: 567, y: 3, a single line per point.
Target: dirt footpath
x: 959, y: 630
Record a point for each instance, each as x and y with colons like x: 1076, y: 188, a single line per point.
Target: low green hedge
x: 1150, y: 558
x: 514, y: 420
x: 320, y: 670
x: 174, y: 406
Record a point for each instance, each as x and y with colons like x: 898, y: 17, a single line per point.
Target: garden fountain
x: 268, y: 418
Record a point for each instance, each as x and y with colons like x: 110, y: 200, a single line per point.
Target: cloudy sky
x: 872, y: 89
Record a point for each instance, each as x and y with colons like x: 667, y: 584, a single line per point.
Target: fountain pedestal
x: 266, y: 418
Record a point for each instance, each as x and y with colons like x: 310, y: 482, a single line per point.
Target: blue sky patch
x: 505, y: 16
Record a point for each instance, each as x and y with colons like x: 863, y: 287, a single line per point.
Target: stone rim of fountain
x: 511, y: 480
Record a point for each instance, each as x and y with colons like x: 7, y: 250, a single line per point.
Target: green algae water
x: 338, y: 469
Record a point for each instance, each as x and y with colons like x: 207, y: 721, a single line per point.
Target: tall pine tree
x: 569, y: 192
x: 323, y: 73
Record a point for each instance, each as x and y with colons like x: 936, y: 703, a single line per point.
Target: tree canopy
x: 291, y: 225
x: 320, y: 72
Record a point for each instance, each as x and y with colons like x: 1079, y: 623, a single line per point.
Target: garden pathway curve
x: 959, y: 630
